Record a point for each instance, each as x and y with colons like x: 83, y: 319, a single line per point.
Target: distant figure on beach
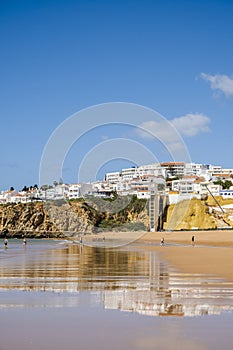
x: 193, y: 239
x: 80, y: 240
x: 5, y: 243
x: 24, y: 241
x: 162, y: 241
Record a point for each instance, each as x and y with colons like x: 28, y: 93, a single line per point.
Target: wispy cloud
x: 151, y: 129
x: 192, y: 124
x: 188, y: 125
x: 221, y: 83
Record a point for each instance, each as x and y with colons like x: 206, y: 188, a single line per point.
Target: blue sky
x: 59, y: 57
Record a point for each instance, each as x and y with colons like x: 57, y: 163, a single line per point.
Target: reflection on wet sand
x: 124, y: 279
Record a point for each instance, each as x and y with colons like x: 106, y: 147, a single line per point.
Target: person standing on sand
x: 193, y: 238
x: 162, y: 241
x: 24, y: 241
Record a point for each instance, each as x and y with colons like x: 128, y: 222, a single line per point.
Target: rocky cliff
x: 59, y: 219
x: 200, y: 214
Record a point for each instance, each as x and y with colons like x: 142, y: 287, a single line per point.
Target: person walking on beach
x: 193, y: 238
x: 24, y: 241
x: 162, y: 241
x: 5, y: 243
x: 80, y: 240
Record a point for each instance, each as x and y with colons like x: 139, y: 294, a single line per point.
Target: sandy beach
x: 51, y: 289
x: 211, y: 253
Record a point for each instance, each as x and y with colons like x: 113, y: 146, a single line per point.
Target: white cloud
x: 165, y: 132
x: 160, y: 130
x: 191, y: 124
x: 219, y: 82
x: 188, y: 125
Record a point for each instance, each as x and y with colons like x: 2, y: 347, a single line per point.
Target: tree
x: 225, y: 184
x: 25, y: 189
x: 12, y: 188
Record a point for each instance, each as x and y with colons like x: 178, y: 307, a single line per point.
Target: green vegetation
x: 225, y: 184
x: 125, y: 218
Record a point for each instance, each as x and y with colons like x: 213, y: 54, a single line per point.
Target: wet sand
x: 73, y: 297
x: 211, y: 253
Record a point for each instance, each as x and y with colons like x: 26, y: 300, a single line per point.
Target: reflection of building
x: 124, y: 279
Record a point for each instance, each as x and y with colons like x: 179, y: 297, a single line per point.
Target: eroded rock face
x: 30, y: 219
x: 189, y: 214
x: 60, y: 218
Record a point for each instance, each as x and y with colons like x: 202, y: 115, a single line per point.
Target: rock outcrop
x: 57, y: 219
x: 198, y: 214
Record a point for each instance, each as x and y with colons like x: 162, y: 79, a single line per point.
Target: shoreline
x: 211, y: 253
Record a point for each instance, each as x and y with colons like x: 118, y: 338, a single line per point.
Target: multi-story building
x: 141, y: 187
x: 74, y: 191
x: 215, y: 169
x: 196, y: 169
x: 173, y: 169
x: 113, y: 177
x: 52, y: 193
x: 136, y: 172
x: 205, y: 188
x: 150, y: 170
x: 185, y: 185
x: 129, y: 173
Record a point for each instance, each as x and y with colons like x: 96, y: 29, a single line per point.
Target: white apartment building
x: 215, y: 169
x: 5, y: 196
x: 113, y: 177
x: 151, y: 170
x: 173, y: 169
x: 202, y: 188
x: 103, y: 189
x: 74, y: 191
x: 140, y: 187
x: 183, y: 185
x: 228, y: 171
x: 129, y: 173
x: 13, y: 197
x: 196, y: 169
x: 136, y: 172
x: 123, y: 187
x: 53, y: 193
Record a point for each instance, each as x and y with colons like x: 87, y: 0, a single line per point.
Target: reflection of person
x: 162, y: 241
x: 5, y: 243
